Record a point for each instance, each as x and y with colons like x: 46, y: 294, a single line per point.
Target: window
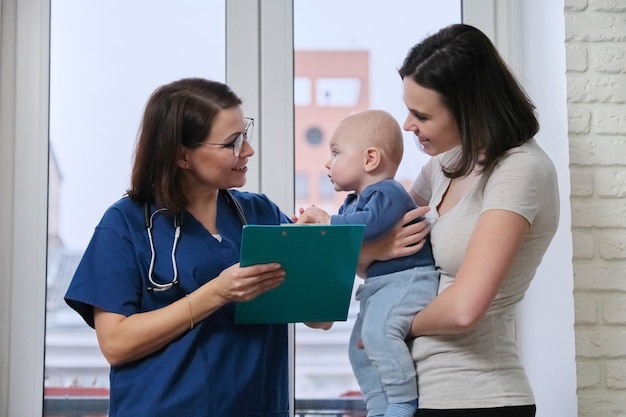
x: 351, y: 68
x: 23, y: 153
x: 301, y: 91
x: 301, y: 185
x: 29, y: 381
x: 314, y: 136
x: 104, y: 139
x: 91, y: 142
x: 337, y: 92
x: 327, y: 191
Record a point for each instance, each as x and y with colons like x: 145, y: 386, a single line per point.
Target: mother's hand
x: 405, y: 239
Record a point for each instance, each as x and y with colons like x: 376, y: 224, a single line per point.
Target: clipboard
x: 320, y: 263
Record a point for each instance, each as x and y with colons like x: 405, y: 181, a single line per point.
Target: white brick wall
x: 596, y: 83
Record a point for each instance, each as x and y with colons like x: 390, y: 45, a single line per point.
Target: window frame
x: 24, y: 76
x: 255, y: 29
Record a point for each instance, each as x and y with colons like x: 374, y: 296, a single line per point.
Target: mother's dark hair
x: 177, y: 114
x: 492, y: 110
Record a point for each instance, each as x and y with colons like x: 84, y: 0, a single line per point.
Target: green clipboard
x: 320, y: 264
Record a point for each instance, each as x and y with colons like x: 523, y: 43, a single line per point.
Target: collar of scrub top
x: 178, y: 221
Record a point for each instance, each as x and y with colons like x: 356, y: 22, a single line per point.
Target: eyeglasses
x: 237, y: 143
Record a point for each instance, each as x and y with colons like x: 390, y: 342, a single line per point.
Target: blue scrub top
x: 217, y: 368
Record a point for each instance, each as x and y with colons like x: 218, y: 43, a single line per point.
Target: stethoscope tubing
x: 178, y: 221
x: 149, y: 223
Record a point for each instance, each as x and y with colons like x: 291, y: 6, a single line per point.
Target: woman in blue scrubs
x: 160, y: 276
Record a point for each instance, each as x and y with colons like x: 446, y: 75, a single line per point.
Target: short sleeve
x: 520, y: 183
x: 108, y: 276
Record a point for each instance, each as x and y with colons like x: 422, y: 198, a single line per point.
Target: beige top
x: 481, y: 368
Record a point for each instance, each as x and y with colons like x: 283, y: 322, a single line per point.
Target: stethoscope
x: 178, y: 222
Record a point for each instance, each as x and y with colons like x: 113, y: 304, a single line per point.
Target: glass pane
x: 346, y: 59
x: 106, y: 58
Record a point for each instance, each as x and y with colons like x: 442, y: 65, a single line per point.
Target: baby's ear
x: 372, y: 158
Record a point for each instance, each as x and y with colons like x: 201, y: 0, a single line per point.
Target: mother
x: 493, y: 199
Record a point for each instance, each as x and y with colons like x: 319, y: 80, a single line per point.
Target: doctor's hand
x: 405, y: 239
x: 237, y: 283
x: 324, y: 325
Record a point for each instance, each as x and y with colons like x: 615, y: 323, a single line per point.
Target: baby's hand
x: 314, y: 215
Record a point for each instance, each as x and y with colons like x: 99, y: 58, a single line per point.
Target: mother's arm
x: 400, y: 241
x: 491, y: 251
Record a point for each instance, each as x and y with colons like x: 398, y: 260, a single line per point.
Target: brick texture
x: 596, y: 80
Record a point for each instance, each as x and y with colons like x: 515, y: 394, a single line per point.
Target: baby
x: 366, y: 149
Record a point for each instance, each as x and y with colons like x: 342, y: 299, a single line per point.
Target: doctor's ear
x: 372, y: 158
x: 182, y: 160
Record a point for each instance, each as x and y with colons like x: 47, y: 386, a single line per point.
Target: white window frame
x: 24, y: 88
x: 500, y: 20
x: 259, y: 62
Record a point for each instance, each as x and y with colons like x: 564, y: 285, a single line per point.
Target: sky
x: 108, y: 56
